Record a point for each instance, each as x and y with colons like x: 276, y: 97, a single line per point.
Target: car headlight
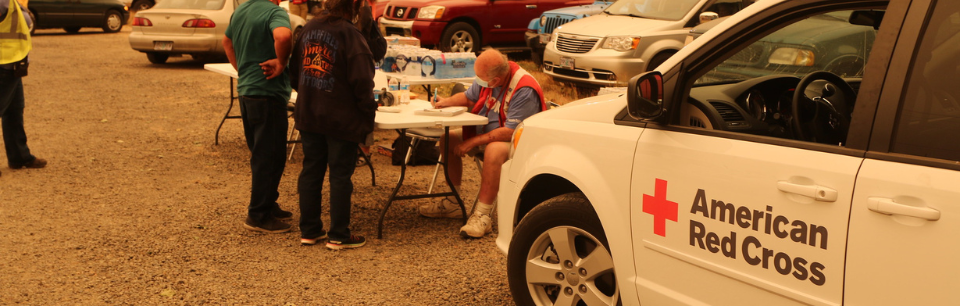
x: 621, y: 43
x: 515, y: 139
x: 555, y: 34
x: 431, y: 12
x: 792, y: 56
x: 543, y: 21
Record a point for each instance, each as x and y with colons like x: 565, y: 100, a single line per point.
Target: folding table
x: 406, y: 119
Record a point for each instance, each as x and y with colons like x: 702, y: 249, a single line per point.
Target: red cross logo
x: 661, y: 209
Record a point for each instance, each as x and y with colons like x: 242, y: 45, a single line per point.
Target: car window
x: 653, y: 9
x: 822, y: 42
x: 190, y: 4
x: 799, y: 82
x: 929, y: 115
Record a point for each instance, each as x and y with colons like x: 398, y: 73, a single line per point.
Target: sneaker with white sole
x: 353, y: 242
x: 477, y: 226
x: 445, y: 208
x: 314, y: 240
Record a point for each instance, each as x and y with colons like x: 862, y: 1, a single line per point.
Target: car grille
x: 403, y: 11
x: 572, y: 44
x: 553, y: 23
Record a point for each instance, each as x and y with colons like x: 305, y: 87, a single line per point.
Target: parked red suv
x: 466, y: 25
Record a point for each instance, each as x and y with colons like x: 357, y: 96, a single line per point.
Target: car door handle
x: 889, y: 207
x: 816, y: 192
x: 531, y: 6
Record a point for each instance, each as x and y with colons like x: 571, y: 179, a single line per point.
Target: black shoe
x: 271, y: 225
x: 36, y: 163
x: 281, y: 214
x: 352, y: 243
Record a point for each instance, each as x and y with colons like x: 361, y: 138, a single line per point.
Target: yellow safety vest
x: 14, y: 35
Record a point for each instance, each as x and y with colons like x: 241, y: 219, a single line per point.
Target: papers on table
x: 388, y: 109
x: 446, y: 111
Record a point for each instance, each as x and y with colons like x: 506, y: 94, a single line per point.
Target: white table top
x: 227, y: 70
x: 419, y: 80
x: 405, y: 119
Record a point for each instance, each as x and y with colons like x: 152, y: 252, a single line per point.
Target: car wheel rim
x: 113, y: 22
x: 461, y: 42
x: 568, y: 266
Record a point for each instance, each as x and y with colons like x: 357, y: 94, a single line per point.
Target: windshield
x: 190, y: 4
x: 822, y: 42
x: 653, y: 9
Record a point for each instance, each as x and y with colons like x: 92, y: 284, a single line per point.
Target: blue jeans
x: 320, y: 150
x: 265, y: 128
x: 11, y: 108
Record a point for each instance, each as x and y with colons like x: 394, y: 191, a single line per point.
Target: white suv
x: 735, y: 175
x: 628, y: 37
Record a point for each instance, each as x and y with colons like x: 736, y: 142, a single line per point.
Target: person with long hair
x: 332, y: 70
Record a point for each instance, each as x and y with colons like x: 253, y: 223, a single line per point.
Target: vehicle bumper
x: 601, y: 67
x: 428, y: 32
x: 534, y: 42
x: 507, y: 200
x: 198, y: 43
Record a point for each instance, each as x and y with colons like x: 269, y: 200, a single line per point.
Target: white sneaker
x: 445, y: 208
x: 477, y: 226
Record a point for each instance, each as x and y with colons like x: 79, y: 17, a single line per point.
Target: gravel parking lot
x: 138, y: 206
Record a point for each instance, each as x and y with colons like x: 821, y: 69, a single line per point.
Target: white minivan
x: 628, y: 37
x: 801, y: 152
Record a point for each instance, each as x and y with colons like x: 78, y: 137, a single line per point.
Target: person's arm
x: 498, y: 134
x: 459, y: 99
x: 295, y: 65
x: 360, y: 73
x: 228, y: 48
x: 281, y: 44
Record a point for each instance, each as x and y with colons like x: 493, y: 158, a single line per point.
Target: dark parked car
x: 71, y: 15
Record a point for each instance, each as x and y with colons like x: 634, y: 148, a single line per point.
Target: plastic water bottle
x: 394, y: 85
x: 404, y: 90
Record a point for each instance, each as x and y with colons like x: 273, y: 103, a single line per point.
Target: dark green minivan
x: 71, y: 15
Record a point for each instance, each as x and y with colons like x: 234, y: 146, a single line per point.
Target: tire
x: 460, y: 37
x: 72, y: 30
x: 112, y: 22
x: 140, y: 5
x: 658, y: 59
x: 157, y: 58
x: 558, y: 279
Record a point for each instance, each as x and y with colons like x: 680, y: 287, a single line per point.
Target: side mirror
x: 708, y: 16
x: 867, y: 18
x: 645, y: 95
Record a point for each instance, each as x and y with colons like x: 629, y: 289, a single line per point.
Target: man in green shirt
x: 264, y: 89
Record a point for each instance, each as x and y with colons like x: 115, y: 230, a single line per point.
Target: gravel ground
x: 138, y: 206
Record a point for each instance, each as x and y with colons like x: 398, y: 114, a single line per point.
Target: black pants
x: 265, y: 127
x: 11, y: 109
x: 319, y: 151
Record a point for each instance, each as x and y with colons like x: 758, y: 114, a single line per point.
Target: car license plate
x: 163, y: 45
x: 544, y: 38
x: 566, y: 62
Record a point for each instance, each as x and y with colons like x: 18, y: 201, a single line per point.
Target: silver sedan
x: 194, y: 27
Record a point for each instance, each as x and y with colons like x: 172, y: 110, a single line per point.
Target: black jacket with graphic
x: 332, y: 71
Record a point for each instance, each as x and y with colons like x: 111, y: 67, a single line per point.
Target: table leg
x: 393, y: 195
x: 226, y: 115
x: 403, y: 171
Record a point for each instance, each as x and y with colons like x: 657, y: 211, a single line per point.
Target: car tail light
x: 143, y: 22
x: 199, y: 23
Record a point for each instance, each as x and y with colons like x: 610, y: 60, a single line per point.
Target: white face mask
x: 480, y: 82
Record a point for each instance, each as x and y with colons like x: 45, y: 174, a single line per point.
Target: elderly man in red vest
x: 507, y: 95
